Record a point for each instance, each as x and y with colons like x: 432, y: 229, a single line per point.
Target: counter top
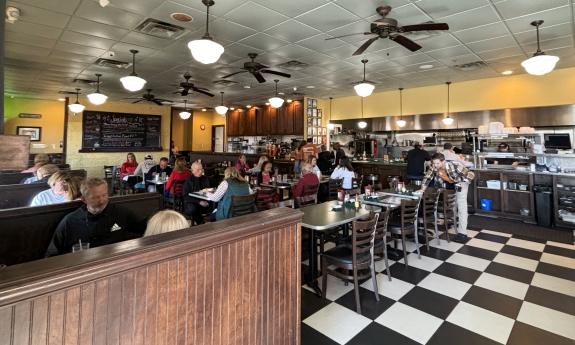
x: 379, y: 163
x: 527, y: 172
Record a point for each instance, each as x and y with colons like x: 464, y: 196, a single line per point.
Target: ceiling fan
x: 186, y: 86
x: 256, y: 69
x: 149, y: 97
x: 389, y: 28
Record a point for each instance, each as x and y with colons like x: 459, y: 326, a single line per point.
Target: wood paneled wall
x: 234, y: 283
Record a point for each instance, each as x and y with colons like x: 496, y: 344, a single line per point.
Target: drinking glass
x: 80, y: 246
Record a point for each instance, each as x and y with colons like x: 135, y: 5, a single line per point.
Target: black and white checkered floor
x: 495, y: 289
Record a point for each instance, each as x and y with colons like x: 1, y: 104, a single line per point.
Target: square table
x: 323, y: 217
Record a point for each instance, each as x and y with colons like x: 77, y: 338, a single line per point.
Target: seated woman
x: 166, y: 221
x: 129, y: 166
x: 39, y: 160
x: 258, y: 168
x: 308, y: 178
x: 311, y: 160
x: 179, y: 174
x: 344, y: 171
x: 242, y: 165
x: 266, y: 173
x: 63, y: 188
x: 233, y: 184
x: 42, y: 174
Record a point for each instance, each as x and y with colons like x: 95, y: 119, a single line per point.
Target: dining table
x: 322, y: 218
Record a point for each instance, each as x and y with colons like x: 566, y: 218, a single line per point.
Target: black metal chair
x: 242, y: 205
x: 380, y: 243
x: 266, y: 198
x: 405, y: 225
x: 334, y: 186
x: 428, y: 212
x: 447, y: 211
x: 353, y: 263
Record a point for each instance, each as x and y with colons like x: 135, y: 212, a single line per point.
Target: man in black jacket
x: 162, y: 167
x: 324, y: 161
x: 97, y: 222
x: 195, y: 207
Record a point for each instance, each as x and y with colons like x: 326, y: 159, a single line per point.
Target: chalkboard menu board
x: 120, y: 132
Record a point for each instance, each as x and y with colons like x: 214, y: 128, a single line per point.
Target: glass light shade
x: 206, y: 51
x: 330, y: 126
x: 276, y: 102
x: 76, y: 107
x: 448, y: 121
x: 401, y: 123
x: 184, y: 115
x: 540, y: 64
x: 97, y: 98
x: 221, y: 109
x: 362, y: 124
x: 133, y: 83
x: 364, y: 89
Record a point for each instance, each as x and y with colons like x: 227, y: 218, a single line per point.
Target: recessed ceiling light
x: 289, y: 100
x: 181, y: 17
x: 267, y: 103
x: 232, y: 108
x: 247, y: 87
x: 61, y: 99
x: 508, y: 72
x: 281, y: 93
x: 310, y: 87
x: 204, y: 109
x: 426, y: 66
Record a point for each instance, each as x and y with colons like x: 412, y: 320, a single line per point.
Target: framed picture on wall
x: 35, y: 133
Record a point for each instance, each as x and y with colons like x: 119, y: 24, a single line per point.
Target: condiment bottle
x: 340, y: 194
x: 356, y: 201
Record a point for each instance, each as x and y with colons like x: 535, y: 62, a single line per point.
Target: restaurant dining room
x: 304, y: 172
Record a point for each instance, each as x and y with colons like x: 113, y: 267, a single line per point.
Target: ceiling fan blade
x: 185, y: 92
x: 281, y: 74
x: 138, y: 101
x: 364, y: 46
x: 229, y: 75
x: 406, y: 42
x: 203, y: 92
x: 157, y: 102
x: 425, y: 27
x: 357, y: 33
x: 259, y: 77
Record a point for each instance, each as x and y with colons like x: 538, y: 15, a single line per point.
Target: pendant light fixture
x: 362, y: 124
x: 401, y: 122
x: 364, y: 88
x: 221, y: 109
x: 448, y: 121
x: 330, y: 125
x: 275, y: 101
x: 97, y: 98
x: 540, y: 63
x: 184, y: 115
x: 132, y: 82
x: 206, y: 50
x: 76, y: 107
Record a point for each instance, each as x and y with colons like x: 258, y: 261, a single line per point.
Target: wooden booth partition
x: 231, y: 282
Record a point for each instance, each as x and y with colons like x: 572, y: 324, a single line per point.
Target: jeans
x: 461, y: 196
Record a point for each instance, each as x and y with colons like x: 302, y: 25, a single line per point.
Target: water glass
x: 80, y: 246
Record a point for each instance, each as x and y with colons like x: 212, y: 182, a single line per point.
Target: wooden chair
x: 428, y: 218
x: 380, y: 242
x: 243, y: 204
x: 334, y: 185
x: 353, y: 263
x: 266, y: 198
x: 447, y: 211
x: 308, y: 197
x: 405, y: 225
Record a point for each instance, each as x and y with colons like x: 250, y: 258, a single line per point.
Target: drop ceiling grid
x: 79, y: 47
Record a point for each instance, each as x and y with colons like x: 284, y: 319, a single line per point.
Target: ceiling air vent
x: 112, y: 63
x: 84, y: 81
x: 471, y: 66
x: 293, y: 65
x: 223, y: 82
x: 160, y: 29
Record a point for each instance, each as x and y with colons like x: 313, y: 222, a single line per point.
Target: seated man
x: 97, y: 222
x: 195, y: 207
x: 159, y: 169
x: 308, y: 178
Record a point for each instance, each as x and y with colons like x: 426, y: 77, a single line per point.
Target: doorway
x: 218, y: 138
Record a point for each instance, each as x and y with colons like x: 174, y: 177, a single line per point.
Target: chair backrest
x: 381, y: 229
x: 363, y: 235
x: 308, y: 197
x: 19, y: 195
x: 353, y: 191
x: 266, y: 198
x: 334, y: 185
x: 108, y: 172
x: 430, y: 201
x: 243, y: 204
x: 409, y: 210
x: 178, y: 188
x: 449, y: 199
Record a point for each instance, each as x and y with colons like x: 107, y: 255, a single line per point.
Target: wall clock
x: 202, y: 127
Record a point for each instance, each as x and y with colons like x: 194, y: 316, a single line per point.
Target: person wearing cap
x: 416, y: 160
x: 145, y: 166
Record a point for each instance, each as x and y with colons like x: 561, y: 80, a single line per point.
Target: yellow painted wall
x: 181, y: 131
x: 202, y: 139
x: 94, y: 162
x: 51, y: 122
x: 517, y: 91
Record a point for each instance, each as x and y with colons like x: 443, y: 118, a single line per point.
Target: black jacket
x: 324, y: 161
x: 112, y: 225
x: 156, y: 169
x: 195, y: 184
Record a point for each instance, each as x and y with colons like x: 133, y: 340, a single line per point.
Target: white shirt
x: 317, y: 172
x: 220, y: 191
x: 144, y: 167
x: 454, y: 157
x: 47, y: 197
x: 345, y: 174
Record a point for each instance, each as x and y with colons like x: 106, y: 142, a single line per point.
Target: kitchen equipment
x: 486, y: 204
x: 522, y: 187
x: 524, y: 212
x: 513, y: 185
x: 493, y: 184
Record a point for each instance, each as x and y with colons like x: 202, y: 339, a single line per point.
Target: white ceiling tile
x: 405, y: 15
x: 448, y: 52
x: 414, y: 59
x: 472, y: 18
x: 481, y: 32
x: 460, y: 60
x: 34, y: 29
x: 558, y: 15
x: 139, y: 7
x: 164, y: 11
x: 443, y: 8
x: 292, y: 8
x: 255, y: 16
x: 342, y: 52
x: 319, y: 43
x: 41, y: 16
x: 242, y: 50
x: 293, y: 51
x: 62, y: 6
x: 22, y: 38
x: 366, y: 8
x: 292, y: 31
x: 494, y: 43
x: 220, y: 8
x: 15, y: 48
x: 501, y: 53
x: 264, y: 42
x: 147, y: 40
x: 332, y: 16
x: 67, y: 56
x: 317, y: 59
x: 555, y: 43
x: 545, y: 33
x: 122, y: 51
x: 360, y: 26
x: 516, y: 8
x: 86, y: 40
x: 78, y: 49
x: 96, y: 29
x: 444, y: 40
x: 90, y: 10
x: 228, y: 30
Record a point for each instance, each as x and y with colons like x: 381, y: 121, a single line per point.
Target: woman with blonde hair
x: 166, y: 221
x: 258, y: 168
x: 63, y: 188
x: 42, y: 174
x: 232, y: 185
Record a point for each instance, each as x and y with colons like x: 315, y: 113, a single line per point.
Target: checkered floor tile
x: 494, y: 289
